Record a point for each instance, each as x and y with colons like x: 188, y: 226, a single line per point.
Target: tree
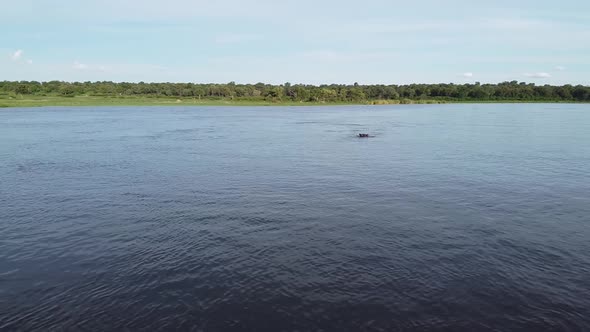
x: 67, y: 91
x: 508, y: 91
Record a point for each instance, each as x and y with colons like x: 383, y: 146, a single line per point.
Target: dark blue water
x: 452, y: 218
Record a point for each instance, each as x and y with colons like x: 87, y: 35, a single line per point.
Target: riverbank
x: 33, y: 101
x: 40, y: 101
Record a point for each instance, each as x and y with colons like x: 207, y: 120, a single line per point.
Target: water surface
x: 451, y: 218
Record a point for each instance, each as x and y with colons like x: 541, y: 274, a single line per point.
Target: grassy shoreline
x: 41, y: 101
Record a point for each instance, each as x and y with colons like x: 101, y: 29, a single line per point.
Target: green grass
x: 37, y: 101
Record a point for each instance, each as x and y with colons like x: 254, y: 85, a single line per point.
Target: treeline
x: 507, y: 91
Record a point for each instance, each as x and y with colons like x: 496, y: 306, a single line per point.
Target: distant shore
x: 41, y: 101
x: 58, y: 93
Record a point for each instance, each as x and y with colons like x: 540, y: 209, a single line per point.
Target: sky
x: 303, y: 41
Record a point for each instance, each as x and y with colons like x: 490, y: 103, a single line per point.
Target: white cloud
x: 538, y: 75
x: 467, y: 75
x: 17, y: 55
x: 80, y: 66
x: 560, y: 68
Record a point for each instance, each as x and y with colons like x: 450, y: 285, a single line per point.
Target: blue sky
x: 304, y: 41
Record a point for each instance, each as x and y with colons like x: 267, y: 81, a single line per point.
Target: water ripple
x: 202, y: 219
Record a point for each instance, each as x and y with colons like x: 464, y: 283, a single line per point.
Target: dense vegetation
x: 285, y: 93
